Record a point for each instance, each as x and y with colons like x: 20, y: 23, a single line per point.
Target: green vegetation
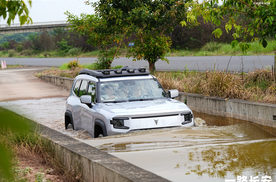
x: 10, y: 124
x: 245, y: 20
x: 56, y: 43
x: 10, y: 9
x: 146, y: 23
x: 210, y: 49
x: 223, y: 49
x: 254, y: 86
x: 18, y: 139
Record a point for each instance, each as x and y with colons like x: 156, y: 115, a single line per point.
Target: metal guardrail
x: 33, y: 24
x: 34, y: 27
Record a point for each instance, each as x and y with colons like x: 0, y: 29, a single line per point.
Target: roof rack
x: 108, y: 73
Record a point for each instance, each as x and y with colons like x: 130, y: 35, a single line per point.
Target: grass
x: 254, y: 86
x: 19, y: 140
x: 210, y: 49
x: 222, y: 49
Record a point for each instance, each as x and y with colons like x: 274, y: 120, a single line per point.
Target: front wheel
x: 67, y: 122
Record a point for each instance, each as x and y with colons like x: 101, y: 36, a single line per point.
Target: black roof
x: 109, y: 73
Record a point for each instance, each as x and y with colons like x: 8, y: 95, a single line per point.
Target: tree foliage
x: 148, y: 22
x: 10, y: 9
x: 145, y: 22
x: 247, y: 19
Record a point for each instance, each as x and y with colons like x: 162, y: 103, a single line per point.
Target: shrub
x: 27, y: 52
x: 256, y: 86
x: 63, y: 45
x: 259, y: 78
x: 211, y: 46
x: 11, y: 53
x: 74, y: 51
x: 73, y: 65
x: 19, y: 47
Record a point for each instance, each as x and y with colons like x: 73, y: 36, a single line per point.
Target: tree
x: 145, y: 22
x: 10, y: 9
x: 149, y: 22
x: 99, y: 34
x: 248, y: 19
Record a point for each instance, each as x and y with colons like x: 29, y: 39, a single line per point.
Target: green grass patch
x: 220, y: 49
x: 18, y: 136
x: 14, y: 130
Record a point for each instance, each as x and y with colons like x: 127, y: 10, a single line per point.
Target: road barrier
x: 260, y: 113
x: 3, y: 64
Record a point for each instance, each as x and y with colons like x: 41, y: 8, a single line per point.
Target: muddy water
x: 224, y: 149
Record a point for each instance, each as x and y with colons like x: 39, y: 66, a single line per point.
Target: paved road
x: 199, y: 63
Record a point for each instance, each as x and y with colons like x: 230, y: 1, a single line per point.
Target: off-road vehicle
x: 114, y: 101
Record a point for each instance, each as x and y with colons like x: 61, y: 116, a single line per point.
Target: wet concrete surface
x: 18, y: 84
x: 223, y: 149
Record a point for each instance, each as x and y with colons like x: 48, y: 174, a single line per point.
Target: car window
x: 77, y: 86
x: 92, y: 91
x: 83, y: 88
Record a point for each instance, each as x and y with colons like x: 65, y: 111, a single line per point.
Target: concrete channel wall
x: 260, y: 113
x: 91, y: 164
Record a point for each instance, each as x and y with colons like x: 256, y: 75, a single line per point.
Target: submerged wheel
x: 67, y: 122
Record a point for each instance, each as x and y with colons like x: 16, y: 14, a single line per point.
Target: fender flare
x: 100, y: 123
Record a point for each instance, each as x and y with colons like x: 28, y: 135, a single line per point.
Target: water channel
x: 221, y: 149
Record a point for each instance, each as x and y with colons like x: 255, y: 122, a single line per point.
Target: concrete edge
x: 92, y: 163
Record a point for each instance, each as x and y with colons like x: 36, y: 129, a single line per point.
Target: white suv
x: 108, y: 102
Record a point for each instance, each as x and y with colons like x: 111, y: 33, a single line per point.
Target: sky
x: 53, y: 10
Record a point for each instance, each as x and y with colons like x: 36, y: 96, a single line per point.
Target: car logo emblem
x: 156, y: 121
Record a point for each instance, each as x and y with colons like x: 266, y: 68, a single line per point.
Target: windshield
x: 131, y: 90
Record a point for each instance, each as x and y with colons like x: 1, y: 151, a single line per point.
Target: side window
x: 83, y: 88
x: 92, y: 91
x: 76, y: 87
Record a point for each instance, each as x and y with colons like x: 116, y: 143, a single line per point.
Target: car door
x: 75, y: 104
x: 88, y: 112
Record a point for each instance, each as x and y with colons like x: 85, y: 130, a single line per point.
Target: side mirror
x: 86, y: 99
x: 173, y: 93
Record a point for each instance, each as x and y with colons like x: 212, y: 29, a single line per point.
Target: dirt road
x: 17, y: 84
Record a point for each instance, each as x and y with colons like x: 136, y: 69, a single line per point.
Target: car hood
x: 145, y: 108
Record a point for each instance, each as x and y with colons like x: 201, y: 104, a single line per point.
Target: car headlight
x: 119, y: 122
x: 187, y: 117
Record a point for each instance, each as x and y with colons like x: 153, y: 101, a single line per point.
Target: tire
x: 68, y: 120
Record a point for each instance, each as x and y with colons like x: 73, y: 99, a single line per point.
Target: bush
x: 27, y: 52
x: 211, y: 46
x: 259, y: 78
x: 105, y: 59
x: 74, y: 51
x: 19, y: 48
x: 63, y: 45
x: 11, y: 53
x: 73, y: 65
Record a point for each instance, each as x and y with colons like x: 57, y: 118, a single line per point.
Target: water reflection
x: 226, y: 161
